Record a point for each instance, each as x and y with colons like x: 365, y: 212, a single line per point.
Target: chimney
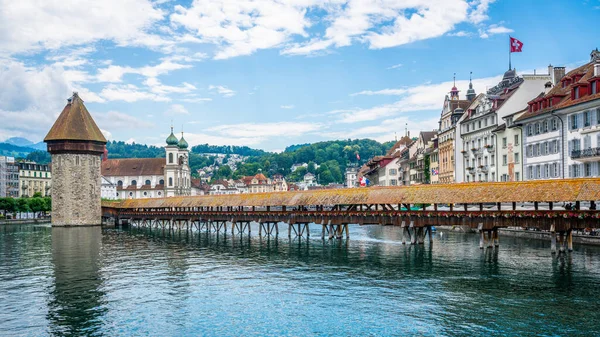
x: 559, y: 73
x: 547, y: 87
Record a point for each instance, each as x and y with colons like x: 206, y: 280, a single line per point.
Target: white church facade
x: 137, y: 178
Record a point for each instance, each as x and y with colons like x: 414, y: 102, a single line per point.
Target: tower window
x: 170, y: 158
x: 147, y: 182
x: 162, y: 182
x: 134, y: 183
x: 120, y: 183
x: 170, y: 181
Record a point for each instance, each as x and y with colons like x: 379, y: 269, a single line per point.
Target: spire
x: 182, y: 144
x: 172, y: 140
x: 75, y: 123
x: 471, y: 92
x: 454, y: 90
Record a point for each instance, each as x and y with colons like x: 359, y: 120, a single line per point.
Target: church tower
x: 454, y: 91
x: 76, y: 145
x: 171, y: 167
x: 471, y: 92
x: 185, y: 184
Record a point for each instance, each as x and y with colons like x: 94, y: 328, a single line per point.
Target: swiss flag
x: 516, y: 46
x: 357, y: 156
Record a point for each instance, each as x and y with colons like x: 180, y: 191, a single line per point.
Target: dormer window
x: 576, y: 93
x: 594, y: 87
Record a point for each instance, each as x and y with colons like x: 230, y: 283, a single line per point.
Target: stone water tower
x: 76, y: 145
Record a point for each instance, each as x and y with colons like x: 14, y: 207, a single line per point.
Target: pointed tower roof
x: 75, y: 123
x: 172, y: 140
x: 471, y: 92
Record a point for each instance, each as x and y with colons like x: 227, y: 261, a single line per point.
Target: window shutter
x: 580, y: 120
x: 570, y: 122
x: 570, y: 171
x: 571, y: 145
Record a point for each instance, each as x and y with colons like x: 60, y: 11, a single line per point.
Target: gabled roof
x: 404, y: 141
x: 428, y: 135
x: 75, y: 123
x: 587, y: 70
x: 133, y: 167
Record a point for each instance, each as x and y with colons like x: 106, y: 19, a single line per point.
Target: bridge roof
x: 567, y: 190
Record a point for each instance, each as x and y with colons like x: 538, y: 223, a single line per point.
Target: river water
x: 122, y: 282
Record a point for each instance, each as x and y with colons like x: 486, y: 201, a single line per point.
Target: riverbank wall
x: 24, y: 221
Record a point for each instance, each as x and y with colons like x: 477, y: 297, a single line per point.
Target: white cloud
x: 479, y: 14
x: 387, y: 129
x: 222, y: 90
x: 33, y: 25
x: 395, y: 66
x: 106, y: 134
x: 417, y: 98
x: 113, y: 120
x: 287, y: 106
x: 130, y: 141
x: 460, y: 33
x: 193, y: 99
x: 32, y: 97
x: 158, y: 88
x: 177, y: 109
x: 202, y: 138
x: 495, y: 29
x: 130, y: 93
x: 114, y: 74
x: 276, y: 129
x: 244, y: 26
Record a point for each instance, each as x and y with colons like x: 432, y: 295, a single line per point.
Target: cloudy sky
x: 269, y: 73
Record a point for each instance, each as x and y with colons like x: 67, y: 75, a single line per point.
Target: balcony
x: 590, y: 154
x: 464, y: 152
x: 483, y: 168
x: 471, y: 169
x: 489, y: 147
x: 474, y: 149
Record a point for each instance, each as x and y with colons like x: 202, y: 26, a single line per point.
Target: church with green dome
x: 138, y: 178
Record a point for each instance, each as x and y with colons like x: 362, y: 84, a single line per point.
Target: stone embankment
x: 24, y: 221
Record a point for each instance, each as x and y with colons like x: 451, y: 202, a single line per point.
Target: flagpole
x: 509, y: 63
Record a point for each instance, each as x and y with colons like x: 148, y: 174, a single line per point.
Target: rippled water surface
x: 113, y: 282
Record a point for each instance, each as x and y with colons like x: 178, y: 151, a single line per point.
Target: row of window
x: 542, y: 127
x: 542, y: 149
x: 506, y: 177
x: 479, y: 124
x: 545, y: 171
x: 584, y: 170
x: 584, y: 119
x: 505, y: 159
x: 505, y: 141
x: 479, y: 140
x: 575, y: 144
x: 35, y: 174
x: 147, y: 182
x: 145, y: 194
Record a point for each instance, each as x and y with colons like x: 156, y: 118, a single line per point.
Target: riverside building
x: 34, y: 178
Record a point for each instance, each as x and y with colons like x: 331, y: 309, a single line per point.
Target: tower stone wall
x: 76, y: 189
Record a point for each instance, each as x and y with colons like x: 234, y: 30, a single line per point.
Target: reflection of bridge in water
x: 415, y: 210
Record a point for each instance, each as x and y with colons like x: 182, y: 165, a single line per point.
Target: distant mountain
x: 24, y: 142
x: 11, y: 150
x: 19, y: 141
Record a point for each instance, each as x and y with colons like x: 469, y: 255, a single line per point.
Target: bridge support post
x: 490, y: 243
x: 570, y: 240
x: 421, y: 235
x: 561, y: 242
x: 552, y: 239
x: 402, y: 231
x: 413, y: 235
x: 430, y: 234
x: 290, y: 225
x: 347, y: 232
x: 481, y: 235
x: 331, y: 229
x: 496, y: 238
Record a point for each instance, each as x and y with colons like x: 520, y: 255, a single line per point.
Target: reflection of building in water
x: 76, y: 301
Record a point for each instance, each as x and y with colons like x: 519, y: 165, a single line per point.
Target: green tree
x: 7, y: 205
x: 22, y: 206
x: 311, y: 167
x: 37, y: 195
x: 36, y: 205
x: 47, y: 205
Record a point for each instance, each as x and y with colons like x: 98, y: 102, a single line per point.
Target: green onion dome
x: 182, y: 143
x: 172, y: 140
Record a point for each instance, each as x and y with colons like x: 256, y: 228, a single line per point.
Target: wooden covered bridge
x: 414, y: 209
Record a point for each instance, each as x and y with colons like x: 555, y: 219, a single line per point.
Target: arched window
x: 170, y: 158
x: 148, y: 182
x: 120, y: 183
x: 145, y: 193
x: 170, y: 181
x: 162, y: 182
x: 134, y: 183
x: 159, y: 193
x: 117, y: 195
x: 131, y: 194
